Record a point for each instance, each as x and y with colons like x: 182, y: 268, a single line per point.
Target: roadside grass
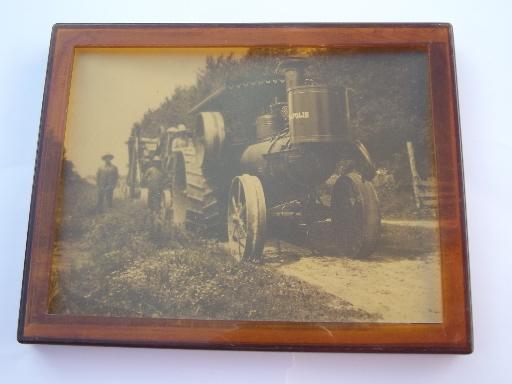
x: 114, y: 269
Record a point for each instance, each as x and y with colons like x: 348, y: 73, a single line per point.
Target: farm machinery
x: 276, y: 151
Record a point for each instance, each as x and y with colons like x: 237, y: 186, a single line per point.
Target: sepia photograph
x: 281, y: 184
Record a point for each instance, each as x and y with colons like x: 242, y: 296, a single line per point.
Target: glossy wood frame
x: 453, y: 335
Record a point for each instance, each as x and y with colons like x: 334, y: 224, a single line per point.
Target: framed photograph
x: 284, y: 187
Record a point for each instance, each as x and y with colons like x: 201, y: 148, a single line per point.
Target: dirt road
x: 397, y: 284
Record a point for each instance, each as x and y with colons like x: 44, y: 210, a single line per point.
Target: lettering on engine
x: 299, y: 115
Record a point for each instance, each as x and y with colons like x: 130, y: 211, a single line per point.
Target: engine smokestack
x: 293, y: 70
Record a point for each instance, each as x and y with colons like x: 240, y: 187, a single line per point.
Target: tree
x: 389, y: 97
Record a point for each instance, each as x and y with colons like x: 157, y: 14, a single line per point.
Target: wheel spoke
x: 241, y: 244
x: 233, y: 205
x: 239, y: 193
x: 232, y: 231
x: 242, y: 231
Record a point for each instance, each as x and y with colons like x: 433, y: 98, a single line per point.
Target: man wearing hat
x: 106, y: 181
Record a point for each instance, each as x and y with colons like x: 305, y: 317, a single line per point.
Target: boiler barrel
x: 317, y: 114
x: 289, y: 170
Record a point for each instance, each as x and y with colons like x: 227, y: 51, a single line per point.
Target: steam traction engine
x: 229, y: 175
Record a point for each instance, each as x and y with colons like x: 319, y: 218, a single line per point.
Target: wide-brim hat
x: 108, y: 156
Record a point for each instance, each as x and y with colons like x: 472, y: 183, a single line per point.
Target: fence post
x: 414, y: 173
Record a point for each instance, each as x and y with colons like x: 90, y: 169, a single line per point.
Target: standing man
x: 106, y: 180
x: 154, y: 181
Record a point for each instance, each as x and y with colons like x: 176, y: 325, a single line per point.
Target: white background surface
x: 482, y: 39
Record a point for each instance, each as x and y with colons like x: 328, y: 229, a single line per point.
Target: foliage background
x: 389, y: 98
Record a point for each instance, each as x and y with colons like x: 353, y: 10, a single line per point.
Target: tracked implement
x: 261, y: 153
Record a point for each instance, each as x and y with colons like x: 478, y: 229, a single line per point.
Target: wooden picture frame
x: 452, y: 335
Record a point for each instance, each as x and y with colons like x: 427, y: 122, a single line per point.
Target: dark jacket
x: 154, y: 179
x: 106, y: 177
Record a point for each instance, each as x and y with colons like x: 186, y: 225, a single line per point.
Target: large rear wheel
x: 246, y: 218
x: 355, y: 215
x: 195, y: 205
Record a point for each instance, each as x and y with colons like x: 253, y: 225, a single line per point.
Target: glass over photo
x: 263, y: 183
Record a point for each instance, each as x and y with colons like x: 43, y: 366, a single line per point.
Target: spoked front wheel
x: 247, y: 216
x: 355, y: 215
